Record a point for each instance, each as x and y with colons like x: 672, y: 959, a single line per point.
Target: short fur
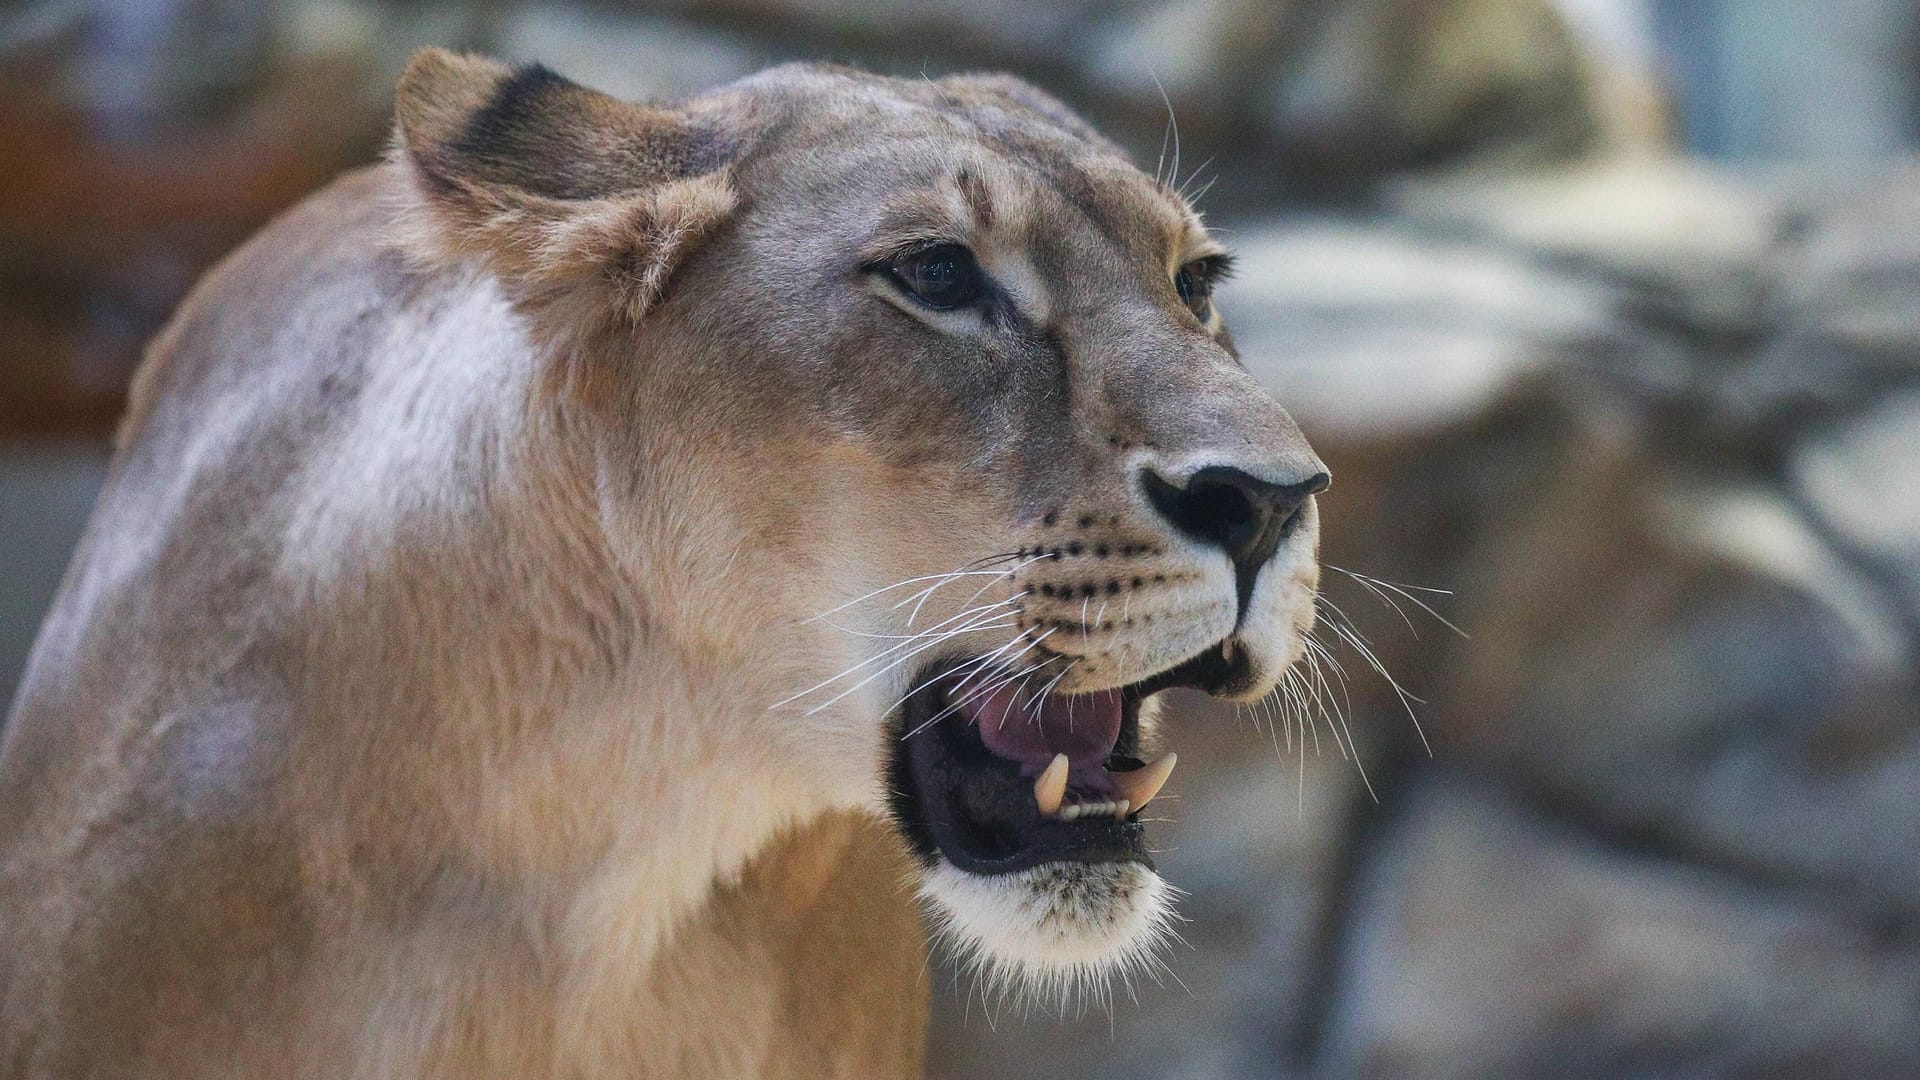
x: 426, y: 698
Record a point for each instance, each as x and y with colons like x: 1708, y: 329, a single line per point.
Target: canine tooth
x: 1226, y: 650
x: 1051, y: 786
x: 1140, y: 786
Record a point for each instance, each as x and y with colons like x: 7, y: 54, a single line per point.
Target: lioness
x: 533, y: 564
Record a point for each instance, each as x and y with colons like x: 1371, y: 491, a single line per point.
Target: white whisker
x: 1048, y: 689
x: 932, y: 630
x: 1375, y: 585
x: 938, y: 639
x: 927, y: 593
x: 975, y: 664
x: 914, y: 581
x: 992, y: 683
x: 1337, y: 718
x: 1407, y: 700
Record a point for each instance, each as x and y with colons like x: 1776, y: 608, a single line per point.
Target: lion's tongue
x: 1082, y: 726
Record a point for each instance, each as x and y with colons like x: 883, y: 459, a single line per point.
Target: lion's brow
x: 978, y: 196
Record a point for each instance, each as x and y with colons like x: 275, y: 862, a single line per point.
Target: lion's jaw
x: 1051, y: 930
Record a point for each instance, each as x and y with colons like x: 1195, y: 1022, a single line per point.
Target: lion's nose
x: 1233, y: 510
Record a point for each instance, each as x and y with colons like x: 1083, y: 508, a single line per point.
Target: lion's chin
x: 1052, y: 936
x: 1023, y: 808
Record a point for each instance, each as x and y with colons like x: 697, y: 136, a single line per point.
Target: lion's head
x: 911, y: 416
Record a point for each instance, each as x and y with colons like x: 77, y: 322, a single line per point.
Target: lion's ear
x: 564, y: 192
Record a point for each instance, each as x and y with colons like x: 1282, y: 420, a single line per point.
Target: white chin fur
x: 1056, y: 934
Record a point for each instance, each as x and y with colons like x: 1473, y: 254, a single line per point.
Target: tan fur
x: 429, y: 695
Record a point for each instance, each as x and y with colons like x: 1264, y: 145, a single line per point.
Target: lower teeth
x: 1100, y: 809
x: 1139, y: 786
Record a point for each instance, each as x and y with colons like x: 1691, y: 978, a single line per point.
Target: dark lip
x: 954, y: 799
x: 1209, y: 671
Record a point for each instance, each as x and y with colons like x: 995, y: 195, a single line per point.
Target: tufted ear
x: 568, y: 195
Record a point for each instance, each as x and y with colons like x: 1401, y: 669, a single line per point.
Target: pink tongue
x: 1084, y: 727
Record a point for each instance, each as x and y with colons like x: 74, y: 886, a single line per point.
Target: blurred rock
x: 1687, y: 235
x: 1859, y: 482
x: 1199, y: 53
x: 1431, y: 83
x: 1370, y: 331
x: 1489, y: 944
x: 135, y: 68
x: 1666, y: 469
x: 632, y: 56
x: 1005, y: 32
x: 1704, y: 670
x: 1795, y: 81
x: 133, y: 163
x: 1662, y: 593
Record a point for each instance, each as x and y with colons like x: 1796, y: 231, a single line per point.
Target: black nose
x: 1235, y: 511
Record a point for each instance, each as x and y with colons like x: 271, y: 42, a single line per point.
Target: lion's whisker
x: 1002, y: 649
x: 927, y: 593
x: 964, y: 567
x: 1337, y: 718
x: 1375, y: 585
x: 900, y: 637
x: 1388, y: 600
x: 974, y: 663
x: 1407, y: 700
x: 987, y: 688
x: 1315, y: 683
x: 932, y: 630
x: 896, y: 661
x: 1048, y: 689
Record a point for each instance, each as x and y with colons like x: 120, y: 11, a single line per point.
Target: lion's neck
x: 569, y: 709
x: 541, y: 728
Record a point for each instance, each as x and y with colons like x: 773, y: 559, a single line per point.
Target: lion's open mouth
x: 997, y: 779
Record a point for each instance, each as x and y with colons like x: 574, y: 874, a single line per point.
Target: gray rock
x: 1704, y: 669
x: 629, y: 55
x: 1863, y: 483
x: 1487, y: 944
x: 1369, y: 331
x: 1410, y: 81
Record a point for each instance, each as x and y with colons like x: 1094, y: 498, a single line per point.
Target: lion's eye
x: 1194, y: 282
x: 943, y: 276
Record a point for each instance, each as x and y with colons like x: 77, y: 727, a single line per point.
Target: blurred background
x: 1606, y: 315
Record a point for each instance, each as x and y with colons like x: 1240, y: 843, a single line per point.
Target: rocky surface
x: 1491, y: 940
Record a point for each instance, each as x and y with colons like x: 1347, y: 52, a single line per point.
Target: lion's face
x: 987, y: 434
x: 1012, y: 328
